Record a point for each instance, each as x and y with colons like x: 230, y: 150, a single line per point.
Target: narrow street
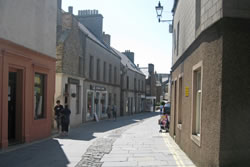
x: 128, y: 141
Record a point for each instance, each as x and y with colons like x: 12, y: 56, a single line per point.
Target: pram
x: 164, y: 123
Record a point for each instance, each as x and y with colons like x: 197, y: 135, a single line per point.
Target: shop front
x: 96, y: 103
x: 26, y: 94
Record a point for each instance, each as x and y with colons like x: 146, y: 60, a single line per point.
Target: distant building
x: 132, y: 85
x: 210, y: 81
x: 151, y: 87
x: 27, y: 61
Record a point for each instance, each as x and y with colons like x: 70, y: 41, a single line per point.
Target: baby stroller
x: 164, y: 123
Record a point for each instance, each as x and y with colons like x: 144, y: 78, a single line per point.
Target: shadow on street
x: 49, y: 153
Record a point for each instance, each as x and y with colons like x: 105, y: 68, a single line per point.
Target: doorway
x: 15, y: 107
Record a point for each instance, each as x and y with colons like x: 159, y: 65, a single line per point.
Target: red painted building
x: 27, y: 70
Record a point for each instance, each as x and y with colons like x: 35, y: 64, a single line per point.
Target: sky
x: 133, y: 26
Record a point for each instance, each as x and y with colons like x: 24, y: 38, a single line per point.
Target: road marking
x: 178, y: 160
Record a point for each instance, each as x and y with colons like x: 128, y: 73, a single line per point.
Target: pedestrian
x: 58, y: 109
x: 109, y: 111
x: 65, y: 120
x: 114, y: 112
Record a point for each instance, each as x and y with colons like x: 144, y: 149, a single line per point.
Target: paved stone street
x: 128, y: 141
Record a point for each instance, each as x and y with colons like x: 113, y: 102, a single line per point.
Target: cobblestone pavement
x: 102, y: 146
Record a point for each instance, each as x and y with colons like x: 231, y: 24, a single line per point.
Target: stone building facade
x: 132, y: 85
x: 71, y: 43
x: 27, y: 70
x: 88, y: 70
x: 210, y: 92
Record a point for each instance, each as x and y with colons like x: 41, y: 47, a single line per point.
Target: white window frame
x: 179, y: 117
x: 196, y: 138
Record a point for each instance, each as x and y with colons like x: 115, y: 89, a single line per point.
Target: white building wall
x: 61, y: 80
x: 30, y: 23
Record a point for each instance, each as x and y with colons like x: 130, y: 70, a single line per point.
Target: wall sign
x: 186, y: 91
x: 97, y: 88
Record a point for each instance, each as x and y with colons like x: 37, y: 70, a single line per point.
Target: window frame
x: 196, y: 137
x: 45, y: 88
x: 179, y: 101
x: 98, y: 69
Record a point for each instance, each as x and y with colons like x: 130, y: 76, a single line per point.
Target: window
x: 139, y: 86
x: 114, y: 99
x: 127, y: 82
x: 104, y: 71
x: 178, y: 36
x: 135, y: 84
x: 91, y: 67
x: 197, y: 14
x: 98, y: 69
x: 39, y: 94
x: 197, y: 102
x: 115, y: 75
x: 142, y: 85
x: 109, y: 102
x: 180, y: 101
x: 110, y: 73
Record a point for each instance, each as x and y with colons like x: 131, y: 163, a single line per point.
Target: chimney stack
x: 130, y: 55
x: 150, y: 69
x: 106, y: 38
x: 93, y: 21
x: 71, y: 9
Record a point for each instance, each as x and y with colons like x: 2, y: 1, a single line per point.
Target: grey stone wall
x: 71, y: 47
x: 30, y: 23
x: 98, y: 52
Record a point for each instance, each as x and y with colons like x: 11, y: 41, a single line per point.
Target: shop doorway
x: 15, y: 107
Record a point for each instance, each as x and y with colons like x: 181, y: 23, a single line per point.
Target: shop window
x: 39, y: 93
x: 196, y: 102
x: 90, y: 104
x: 103, y: 103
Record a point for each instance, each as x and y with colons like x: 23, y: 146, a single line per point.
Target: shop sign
x: 186, y: 91
x: 73, y: 81
x: 97, y: 88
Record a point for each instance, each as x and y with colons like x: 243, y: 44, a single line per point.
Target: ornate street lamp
x: 159, y: 10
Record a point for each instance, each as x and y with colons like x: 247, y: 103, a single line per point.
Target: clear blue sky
x: 133, y: 26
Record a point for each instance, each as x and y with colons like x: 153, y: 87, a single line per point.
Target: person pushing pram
x: 164, y: 120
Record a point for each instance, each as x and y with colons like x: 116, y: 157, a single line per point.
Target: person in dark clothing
x: 58, y: 109
x: 114, y: 112
x: 65, y: 120
x: 108, y: 111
